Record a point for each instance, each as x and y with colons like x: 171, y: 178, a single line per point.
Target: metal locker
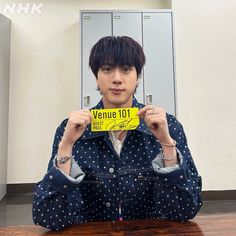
x: 5, y: 36
x: 153, y: 30
x: 159, y: 83
x: 94, y: 26
x: 130, y: 24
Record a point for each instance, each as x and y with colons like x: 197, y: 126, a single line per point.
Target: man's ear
x: 98, y: 89
x: 138, y: 80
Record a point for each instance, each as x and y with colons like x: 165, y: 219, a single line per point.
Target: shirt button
x: 111, y: 170
x: 50, y: 177
x: 65, y: 186
x: 108, y: 204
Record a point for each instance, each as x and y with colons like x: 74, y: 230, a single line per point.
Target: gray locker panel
x: 94, y: 27
x: 130, y: 24
x: 159, y: 70
x: 5, y: 37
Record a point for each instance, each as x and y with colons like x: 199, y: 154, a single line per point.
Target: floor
x: 16, y: 209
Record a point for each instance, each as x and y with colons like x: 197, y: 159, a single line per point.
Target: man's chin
x: 118, y: 102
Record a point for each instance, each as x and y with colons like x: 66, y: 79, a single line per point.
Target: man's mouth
x: 117, y: 90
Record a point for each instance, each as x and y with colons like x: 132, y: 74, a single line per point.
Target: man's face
x: 117, y: 85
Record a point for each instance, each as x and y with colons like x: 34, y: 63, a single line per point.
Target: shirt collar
x: 142, y: 127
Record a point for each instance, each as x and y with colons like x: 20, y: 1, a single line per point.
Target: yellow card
x: 114, y: 119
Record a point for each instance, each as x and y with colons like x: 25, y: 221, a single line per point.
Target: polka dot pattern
x: 128, y: 183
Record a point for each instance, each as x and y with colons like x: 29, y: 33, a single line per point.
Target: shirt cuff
x: 76, y: 174
x: 177, y: 176
x: 159, y: 165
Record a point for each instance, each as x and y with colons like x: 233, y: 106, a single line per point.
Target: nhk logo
x: 22, y: 8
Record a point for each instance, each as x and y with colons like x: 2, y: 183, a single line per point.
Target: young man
x: 136, y: 174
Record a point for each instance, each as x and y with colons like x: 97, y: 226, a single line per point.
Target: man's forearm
x: 64, y: 150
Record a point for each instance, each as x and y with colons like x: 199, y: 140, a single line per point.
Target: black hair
x: 116, y: 51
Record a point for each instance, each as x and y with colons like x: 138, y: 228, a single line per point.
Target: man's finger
x: 149, y: 109
x: 144, y: 109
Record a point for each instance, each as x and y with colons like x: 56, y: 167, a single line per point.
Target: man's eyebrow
x: 126, y: 64
x: 107, y: 64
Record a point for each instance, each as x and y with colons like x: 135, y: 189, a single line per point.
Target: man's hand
x: 155, y: 119
x: 76, y: 125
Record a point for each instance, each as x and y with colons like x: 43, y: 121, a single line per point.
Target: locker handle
x: 149, y: 99
x: 87, y: 101
x: 116, y: 17
x: 87, y: 17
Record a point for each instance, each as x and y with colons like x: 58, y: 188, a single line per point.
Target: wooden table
x: 220, y: 224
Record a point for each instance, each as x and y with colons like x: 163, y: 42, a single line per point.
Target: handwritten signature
x: 122, y: 125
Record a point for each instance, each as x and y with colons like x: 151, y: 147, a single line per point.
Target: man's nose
x: 117, y: 78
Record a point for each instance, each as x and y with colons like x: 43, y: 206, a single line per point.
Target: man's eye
x: 106, y: 68
x: 126, y: 68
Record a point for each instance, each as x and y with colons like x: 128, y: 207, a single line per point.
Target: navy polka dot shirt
x: 105, y: 187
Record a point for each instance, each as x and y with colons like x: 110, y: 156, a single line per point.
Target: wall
x: 44, y: 77
x: 4, y: 98
x: 45, y: 72
x: 205, y: 34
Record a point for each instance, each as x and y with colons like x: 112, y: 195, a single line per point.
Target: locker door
x: 94, y: 26
x: 159, y: 69
x: 130, y: 24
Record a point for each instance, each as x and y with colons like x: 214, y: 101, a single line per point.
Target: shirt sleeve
x: 159, y: 166
x: 178, y: 191
x: 57, y: 199
x: 76, y: 174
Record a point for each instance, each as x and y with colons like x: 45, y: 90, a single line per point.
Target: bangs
x: 116, y: 51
